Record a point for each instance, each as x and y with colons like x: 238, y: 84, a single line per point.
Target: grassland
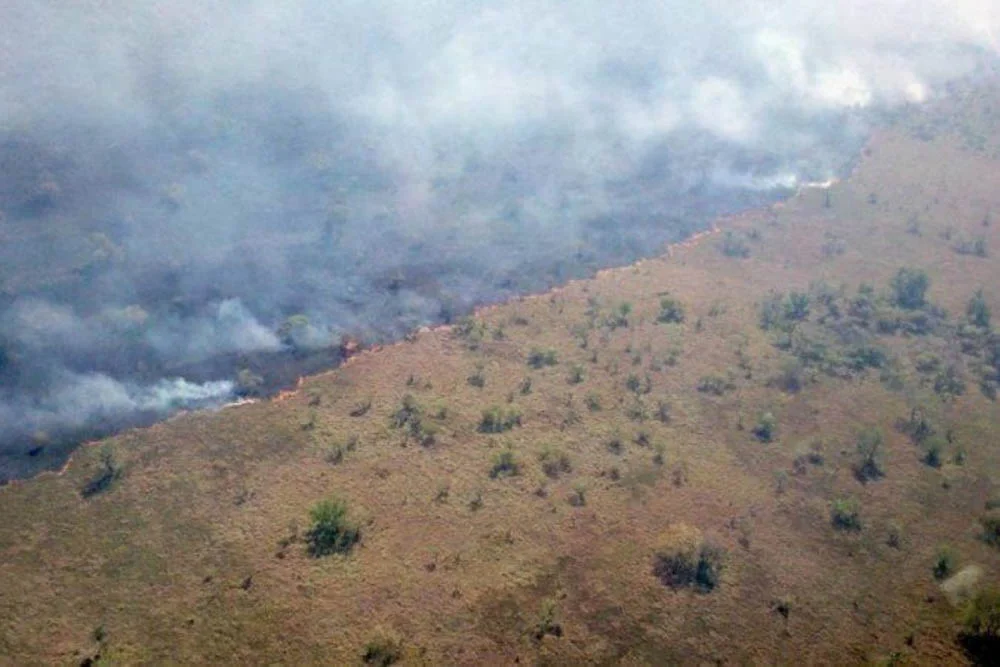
x: 660, y: 465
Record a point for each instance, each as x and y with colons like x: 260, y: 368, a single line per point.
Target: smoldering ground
x: 190, y: 189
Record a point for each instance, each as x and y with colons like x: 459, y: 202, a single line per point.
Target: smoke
x: 187, y: 182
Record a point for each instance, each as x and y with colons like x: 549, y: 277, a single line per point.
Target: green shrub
x: 909, y: 288
x: 981, y: 623
x: 791, y: 378
x: 978, y: 311
x: 539, y: 358
x: 593, y: 402
x: 685, y: 561
x: 382, y: 650
x: 845, y: 514
x: 497, y: 419
x: 555, y: 462
x: 504, y: 465
x: 714, y: 384
x: 733, y: 246
x: 944, y: 563
x: 796, y: 306
x: 663, y: 412
x: 330, y: 531
x: 934, y: 452
x: 620, y: 316
x: 578, y: 498
x: 478, y: 378
x: 975, y: 247
x: 408, y: 410
x: 671, y: 311
x: 918, y: 427
x: 547, y: 624
x: 949, y: 383
x: 765, y: 428
x: 576, y: 374
x: 991, y: 528
x: 107, y: 474
x: 869, y: 447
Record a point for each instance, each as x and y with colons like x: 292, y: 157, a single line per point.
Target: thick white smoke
x: 180, y: 178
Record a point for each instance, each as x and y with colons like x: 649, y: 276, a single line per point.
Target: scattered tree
x: 910, y: 288
x: 504, y: 465
x: 869, y: 447
x: 539, y: 358
x: 331, y: 532
x: 108, y: 473
x: 671, y: 311
x: 845, y: 514
x: 978, y: 311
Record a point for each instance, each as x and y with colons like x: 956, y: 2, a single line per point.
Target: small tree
x: 766, y: 427
x: 845, y: 514
x: 539, y: 358
x: 869, y: 446
x: 331, y: 532
x: 504, y: 465
x: 981, y: 622
x: 671, y: 311
x: 796, y: 306
x: 685, y: 560
x: 944, y: 563
x: 978, y: 311
x: 108, y: 473
x: 910, y: 288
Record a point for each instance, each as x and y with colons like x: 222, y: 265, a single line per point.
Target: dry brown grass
x: 188, y: 558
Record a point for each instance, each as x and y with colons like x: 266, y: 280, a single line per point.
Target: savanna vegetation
x: 774, y: 444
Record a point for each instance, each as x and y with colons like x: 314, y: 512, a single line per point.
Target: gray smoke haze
x: 184, y: 184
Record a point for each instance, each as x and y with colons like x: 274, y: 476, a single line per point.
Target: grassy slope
x: 161, y: 561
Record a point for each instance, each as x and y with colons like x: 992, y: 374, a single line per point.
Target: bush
x: 478, y: 378
x: 671, y: 311
x: 620, y: 316
x: 684, y: 560
x: 497, y: 419
x: 791, y: 378
x: 869, y: 447
x: 977, y: 310
x: 109, y: 472
x: 975, y: 247
x: 504, y: 465
x: 796, y: 306
x: 944, y: 563
x: 845, y: 514
x: 981, y: 623
x: 382, y: 650
x: 991, y: 528
x: 765, y: 427
x: 555, y: 462
x: 547, y: 624
x: 949, y: 382
x: 330, y: 531
x: 934, y: 452
x: 714, y: 384
x: 909, y: 288
x: 539, y: 358
x: 918, y: 426
x: 733, y: 246
x: 576, y: 374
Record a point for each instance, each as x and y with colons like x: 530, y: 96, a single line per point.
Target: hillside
x: 766, y: 446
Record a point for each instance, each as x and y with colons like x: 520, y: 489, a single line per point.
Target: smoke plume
x: 184, y: 185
